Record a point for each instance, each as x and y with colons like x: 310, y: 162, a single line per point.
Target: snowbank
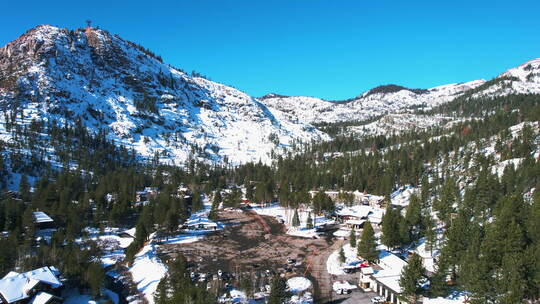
x: 335, y: 267
x: 426, y: 255
x: 402, y: 196
x: 110, y: 242
x: 298, y: 284
x: 343, y: 285
x: 440, y: 300
x: 147, y: 271
x: 235, y: 296
x: 306, y: 298
x: 286, y: 214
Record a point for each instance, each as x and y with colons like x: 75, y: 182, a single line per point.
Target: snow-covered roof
x: 130, y: 232
x: 42, y: 217
x: 376, y: 216
x: 342, y: 233
x: 343, y: 285
x: 16, y: 286
x: 41, y: 298
x: 359, y: 211
x: 390, y: 261
x: 389, y: 279
x: 367, y: 270
x: 391, y: 272
x: 355, y: 222
x: 427, y: 255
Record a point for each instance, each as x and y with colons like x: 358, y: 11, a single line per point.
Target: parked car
x: 377, y: 300
x: 343, y: 291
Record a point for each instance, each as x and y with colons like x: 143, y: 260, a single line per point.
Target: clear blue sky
x: 329, y: 49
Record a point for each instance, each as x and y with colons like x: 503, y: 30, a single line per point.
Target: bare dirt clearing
x: 256, y: 243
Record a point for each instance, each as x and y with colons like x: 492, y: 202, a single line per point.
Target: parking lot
x: 357, y: 296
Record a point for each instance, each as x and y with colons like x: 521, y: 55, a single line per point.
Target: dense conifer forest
x: 491, y: 224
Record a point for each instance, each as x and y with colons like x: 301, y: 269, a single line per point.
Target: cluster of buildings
x: 144, y: 196
x: 354, y: 217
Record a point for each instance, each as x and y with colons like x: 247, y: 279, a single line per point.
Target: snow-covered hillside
x: 379, y: 101
x: 392, y: 99
x: 524, y: 79
x: 111, y: 84
x: 396, y: 123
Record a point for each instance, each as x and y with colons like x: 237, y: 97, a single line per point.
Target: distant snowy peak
x: 379, y: 101
x: 111, y: 84
x: 524, y: 79
x: 392, y: 99
x: 527, y: 72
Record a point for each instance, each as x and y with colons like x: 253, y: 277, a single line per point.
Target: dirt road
x: 318, y: 273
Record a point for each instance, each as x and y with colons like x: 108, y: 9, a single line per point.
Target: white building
x: 37, y: 286
x: 384, y: 281
x: 43, y: 220
x: 201, y: 223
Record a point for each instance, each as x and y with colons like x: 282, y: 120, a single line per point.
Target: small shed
x: 42, y: 220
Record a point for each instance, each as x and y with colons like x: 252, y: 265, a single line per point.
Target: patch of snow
x: 147, y: 271
x: 298, y: 284
x: 335, y: 267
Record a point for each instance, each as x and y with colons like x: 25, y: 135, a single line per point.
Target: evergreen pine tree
x: 278, y: 291
x: 413, y: 219
x: 342, y: 258
x: 28, y: 223
x: 411, y: 279
x: 352, y: 238
x: 250, y: 191
x: 196, y: 202
x: 438, y: 287
x: 309, y: 223
x: 367, y: 247
x: 295, y: 219
x: 215, y: 205
x: 390, y: 228
x: 95, y: 276
x: 24, y: 188
x: 161, y: 296
x: 430, y: 233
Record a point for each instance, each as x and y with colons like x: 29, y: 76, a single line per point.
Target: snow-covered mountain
x: 393, y: 99
x: 376, y: 102
x: 106, y: 83
x: 524, y: 79
x: 111, y: 84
